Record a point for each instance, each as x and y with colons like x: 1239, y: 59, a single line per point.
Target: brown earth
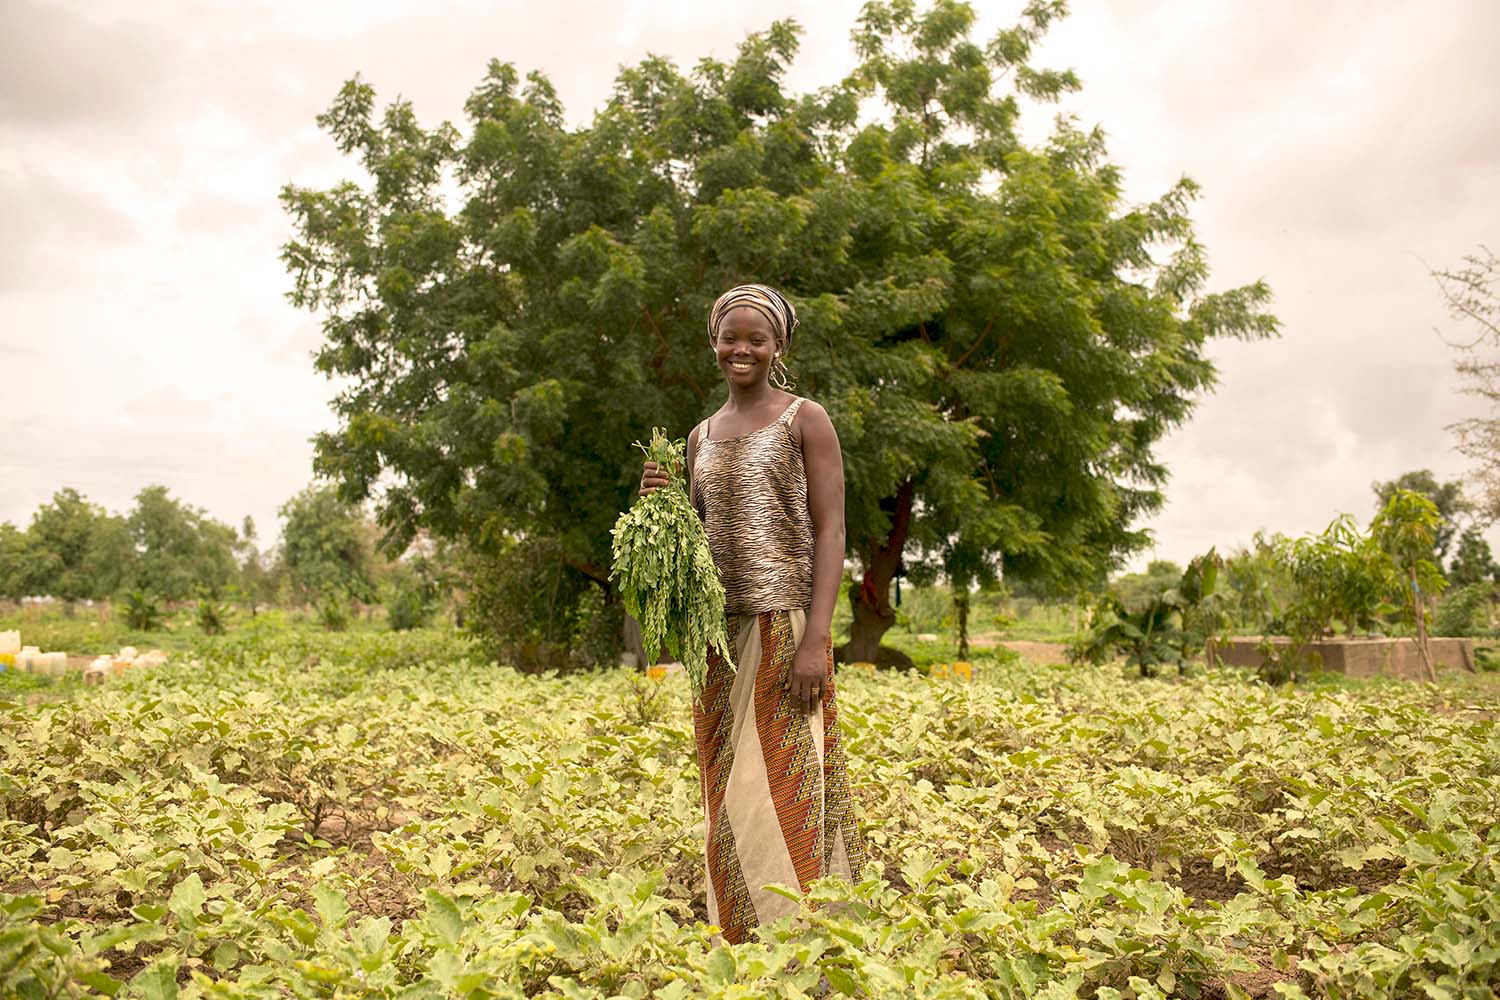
x: 1037, y: 652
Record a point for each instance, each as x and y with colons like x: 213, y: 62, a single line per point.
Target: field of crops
x: 314, y: 816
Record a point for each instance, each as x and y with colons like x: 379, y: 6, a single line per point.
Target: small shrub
x: 333, y: 612
x: 1467, y: 610
x: 142, y: 611
x: 410, y: 605
x: 212, y: 616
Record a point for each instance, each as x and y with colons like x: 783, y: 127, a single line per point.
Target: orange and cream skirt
x: 775, y: 790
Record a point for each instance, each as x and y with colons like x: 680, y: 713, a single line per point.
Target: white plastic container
x: 10, y: 642
x: 57, y: 664
x: 128, y: 653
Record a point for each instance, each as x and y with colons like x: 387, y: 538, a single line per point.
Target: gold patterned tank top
x: 751, y: 492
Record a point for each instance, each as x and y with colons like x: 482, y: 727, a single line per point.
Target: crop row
x: 324, y: 817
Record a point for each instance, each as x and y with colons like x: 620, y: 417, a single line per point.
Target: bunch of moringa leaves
x: 666, y: 572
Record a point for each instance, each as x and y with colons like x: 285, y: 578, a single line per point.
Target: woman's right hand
x: 653, y: 477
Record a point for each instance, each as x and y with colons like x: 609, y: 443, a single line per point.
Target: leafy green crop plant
x: 666, y: 572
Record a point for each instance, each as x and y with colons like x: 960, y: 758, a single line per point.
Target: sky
x: 1344, y: 148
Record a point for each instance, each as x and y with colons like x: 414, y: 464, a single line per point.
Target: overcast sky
x: 1342, y: 146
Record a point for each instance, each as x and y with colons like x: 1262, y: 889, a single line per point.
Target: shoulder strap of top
x: 791, y: 411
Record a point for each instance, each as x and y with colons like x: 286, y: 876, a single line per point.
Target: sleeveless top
x: 751, y: 493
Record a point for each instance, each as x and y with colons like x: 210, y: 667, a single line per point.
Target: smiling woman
x: 766, y: 476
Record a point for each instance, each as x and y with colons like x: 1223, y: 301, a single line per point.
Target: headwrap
x: 764, y: 299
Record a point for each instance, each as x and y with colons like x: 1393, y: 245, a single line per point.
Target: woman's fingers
x: 806, y: 692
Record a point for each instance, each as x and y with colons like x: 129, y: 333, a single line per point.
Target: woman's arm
x: 824, y: 463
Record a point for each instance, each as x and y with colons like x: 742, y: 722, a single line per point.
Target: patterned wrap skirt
x: 775, y: 790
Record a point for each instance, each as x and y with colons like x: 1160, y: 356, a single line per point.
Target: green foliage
x: 925, y: 609
x: 16, y: 562
x: 665, y: 570
x: 1407, y: 528
x: 1342, y: 575
x: 1256, y: 583
x: 524, y: 608
x: 1169, y: 628
x: 381, y: 815
x: 333, y: 611
x: 178, y: 549
x: 142, y: 611
x: 973, y: 309
x: 1135, y: 590
x: 411, y: 603
x: 73, y: 550
x: 1468, y: 610
x: 1472, y: 561
x: 325, y: 550
x: 213, y: 615
x: 1447, y: 499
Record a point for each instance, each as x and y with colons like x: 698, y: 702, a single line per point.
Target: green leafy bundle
x: 666, y: 572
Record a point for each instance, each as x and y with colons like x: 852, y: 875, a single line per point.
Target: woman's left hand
x: 808, y: 675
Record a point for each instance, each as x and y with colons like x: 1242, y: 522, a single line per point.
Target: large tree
x: 1000, y: 338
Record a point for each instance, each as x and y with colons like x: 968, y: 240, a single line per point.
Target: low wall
x: 1355, y: 657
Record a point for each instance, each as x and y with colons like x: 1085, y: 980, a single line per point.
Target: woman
x: 767, y: 478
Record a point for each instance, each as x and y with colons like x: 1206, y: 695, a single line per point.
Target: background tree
x: 256, y: 585
x: 1448, y: 498
x: 77, y: 550
x: 16, y: 562
x: 179, y: 549
x: 325, y: 547
x: 1134, y: 589
x: 1472, y: 560
x: 1472, y: 291
x: 1000, y: 339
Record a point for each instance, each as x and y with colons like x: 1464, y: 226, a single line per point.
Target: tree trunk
x: 961, y: 606
x: 870, y: 600
x: 1422, y: 647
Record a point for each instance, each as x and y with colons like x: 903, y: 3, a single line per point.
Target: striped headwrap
x: 764, y: 299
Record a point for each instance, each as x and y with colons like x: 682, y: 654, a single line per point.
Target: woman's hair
x: 770, y: 303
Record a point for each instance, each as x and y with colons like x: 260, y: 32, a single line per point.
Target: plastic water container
x: 57, y: 664
x: 10, y: 643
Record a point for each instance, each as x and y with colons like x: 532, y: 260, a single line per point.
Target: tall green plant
x: 1169, y: 628
x: 1406, y: 528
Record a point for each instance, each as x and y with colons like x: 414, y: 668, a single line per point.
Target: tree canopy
x: 327, y: 552
x: 74, y: 550
x: 1000, y: 338
x: 179, y: 549
x: 1452, y: 506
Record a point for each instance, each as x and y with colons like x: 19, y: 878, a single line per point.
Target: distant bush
x: 142, y: 611
x: 410, y: 605
x: 1468, y: 610
x: 213, y: 616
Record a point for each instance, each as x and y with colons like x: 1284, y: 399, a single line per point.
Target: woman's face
x: 745, y: 345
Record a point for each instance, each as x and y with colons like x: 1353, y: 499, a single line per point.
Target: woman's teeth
x: 741, y: 366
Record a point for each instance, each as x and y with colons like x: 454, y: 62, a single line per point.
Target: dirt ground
x: 1036, y: 652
